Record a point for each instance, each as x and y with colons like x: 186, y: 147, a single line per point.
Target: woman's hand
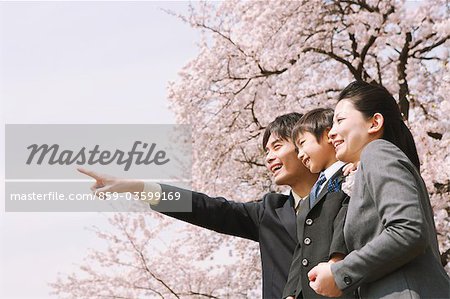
x: 349, y: 168
x: 107, y: 183
x: 321, y: 280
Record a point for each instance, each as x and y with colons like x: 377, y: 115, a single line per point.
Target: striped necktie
x: 315, y: 189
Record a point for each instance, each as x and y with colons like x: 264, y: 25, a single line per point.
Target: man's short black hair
x: 282, y: 127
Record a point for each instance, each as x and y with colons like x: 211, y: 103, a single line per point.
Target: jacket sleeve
x: 290, y: 288
x: 215, y: 213
x: 390, y: 180
x: 338, y: 241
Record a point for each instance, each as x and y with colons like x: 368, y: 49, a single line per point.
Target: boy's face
x: 281, y: 160
x: 315, y: 155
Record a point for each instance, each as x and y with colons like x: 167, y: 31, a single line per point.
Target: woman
x: 389, y: 227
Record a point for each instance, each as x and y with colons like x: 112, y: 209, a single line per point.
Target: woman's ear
x: 377, y: 123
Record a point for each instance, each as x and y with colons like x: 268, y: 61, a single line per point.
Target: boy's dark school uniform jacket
x: 270, y: 221
x: 320, y: 234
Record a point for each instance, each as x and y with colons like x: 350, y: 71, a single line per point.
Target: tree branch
x: 402, y: 80
x: 337, y: 58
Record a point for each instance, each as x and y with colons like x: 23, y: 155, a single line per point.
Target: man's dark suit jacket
x: 269, y: 221
x: 320, y: 234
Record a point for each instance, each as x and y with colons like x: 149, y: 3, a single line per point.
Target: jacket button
x: 305, y: 262
x: 309, y: 221
x: 347, y: 280
x: 307, y: 241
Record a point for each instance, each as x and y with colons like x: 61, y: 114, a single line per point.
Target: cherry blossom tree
x: 258, y: 60
x: 139, y: 261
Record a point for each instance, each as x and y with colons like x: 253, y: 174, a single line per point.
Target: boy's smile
x: 315, y: 155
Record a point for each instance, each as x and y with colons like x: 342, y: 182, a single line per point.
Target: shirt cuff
x: 152, y: 193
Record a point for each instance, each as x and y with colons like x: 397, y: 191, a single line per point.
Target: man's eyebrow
x: 276, y: 140
x: 272, y: 143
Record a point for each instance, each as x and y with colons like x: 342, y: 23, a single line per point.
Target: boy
x: 269, y: 221
x: 321, y: 218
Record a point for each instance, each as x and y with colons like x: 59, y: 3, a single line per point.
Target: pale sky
x: 78, y: 62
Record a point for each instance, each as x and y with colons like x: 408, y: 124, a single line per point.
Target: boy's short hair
x: 315, y: 122
x: 282, y: 126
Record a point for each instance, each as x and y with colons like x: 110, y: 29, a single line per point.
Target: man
x: 269, y: 221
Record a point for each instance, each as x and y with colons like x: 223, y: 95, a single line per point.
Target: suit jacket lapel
x: 324, y: 191
x: 304, y: 210
x: 286, y: 214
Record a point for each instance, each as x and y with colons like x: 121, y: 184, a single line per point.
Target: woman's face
x: 350, y: 132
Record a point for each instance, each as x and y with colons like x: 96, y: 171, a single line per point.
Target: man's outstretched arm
x: 215, y: 213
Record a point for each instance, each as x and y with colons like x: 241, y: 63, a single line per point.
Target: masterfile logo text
x: 41, y: 161
x: 52, y: 155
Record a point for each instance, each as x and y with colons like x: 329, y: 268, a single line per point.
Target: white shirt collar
x: 297, y: 200
x: 330, y: 171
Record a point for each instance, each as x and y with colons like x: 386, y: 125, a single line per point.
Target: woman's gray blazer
x: 390, y: 231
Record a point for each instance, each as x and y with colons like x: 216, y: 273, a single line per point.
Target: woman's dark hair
x: 370, y: 99
x: 315, y: 122
x: 282, y: 127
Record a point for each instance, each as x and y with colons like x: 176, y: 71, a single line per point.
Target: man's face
x: 282, y: 162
